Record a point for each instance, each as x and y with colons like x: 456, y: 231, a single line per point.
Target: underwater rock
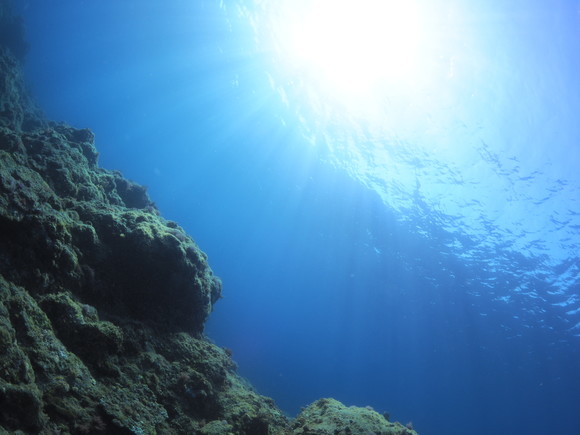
x: 16, y: 109
x: 330, y: 417
x: 103, y: 302
x: 77, y: 230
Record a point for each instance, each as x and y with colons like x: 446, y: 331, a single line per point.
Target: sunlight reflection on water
x: 473, y: 147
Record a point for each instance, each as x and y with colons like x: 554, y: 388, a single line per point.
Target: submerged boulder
x: 85, y: 229
x: 330, y: 417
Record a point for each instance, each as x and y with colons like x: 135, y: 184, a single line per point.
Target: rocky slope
x: 103, y: 302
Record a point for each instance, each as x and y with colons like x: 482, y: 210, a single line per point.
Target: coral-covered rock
x: 20, y: 407
x: 330, y: 417
x: 82, y: 228
x: 63, y: 369
x: 15, y: 106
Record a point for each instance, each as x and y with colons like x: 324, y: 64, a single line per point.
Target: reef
x: 103, y: 301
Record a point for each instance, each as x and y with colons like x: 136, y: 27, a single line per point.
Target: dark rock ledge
x: 103, y: 302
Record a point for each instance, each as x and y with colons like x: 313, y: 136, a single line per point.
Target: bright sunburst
x: 351, y: 47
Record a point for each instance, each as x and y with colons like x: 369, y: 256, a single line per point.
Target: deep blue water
x: 422, y: 260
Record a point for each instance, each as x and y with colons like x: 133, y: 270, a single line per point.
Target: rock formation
x: 103, y: 302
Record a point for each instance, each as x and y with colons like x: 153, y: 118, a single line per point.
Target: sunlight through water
x: 350, y: 48
x: 456, y: 114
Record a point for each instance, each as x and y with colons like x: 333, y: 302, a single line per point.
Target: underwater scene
x: 388, y: 191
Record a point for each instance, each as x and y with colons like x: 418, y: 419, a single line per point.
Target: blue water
x: 420, y: 257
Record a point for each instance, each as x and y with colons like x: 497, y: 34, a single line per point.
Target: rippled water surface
x: 478, y: 152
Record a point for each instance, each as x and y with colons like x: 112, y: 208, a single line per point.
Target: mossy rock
x: 217, y: 427
x: 20, y: 407
x: 330, y: 417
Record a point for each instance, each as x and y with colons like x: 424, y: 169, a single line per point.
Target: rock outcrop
x: 330, y: 417
x: 103, y: 302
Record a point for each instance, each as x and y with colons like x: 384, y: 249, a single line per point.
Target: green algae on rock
x: 330, y: 417
x: 77, y: 227
x: 62, y: 369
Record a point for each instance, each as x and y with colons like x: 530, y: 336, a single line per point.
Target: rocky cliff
x: 103, y: 302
